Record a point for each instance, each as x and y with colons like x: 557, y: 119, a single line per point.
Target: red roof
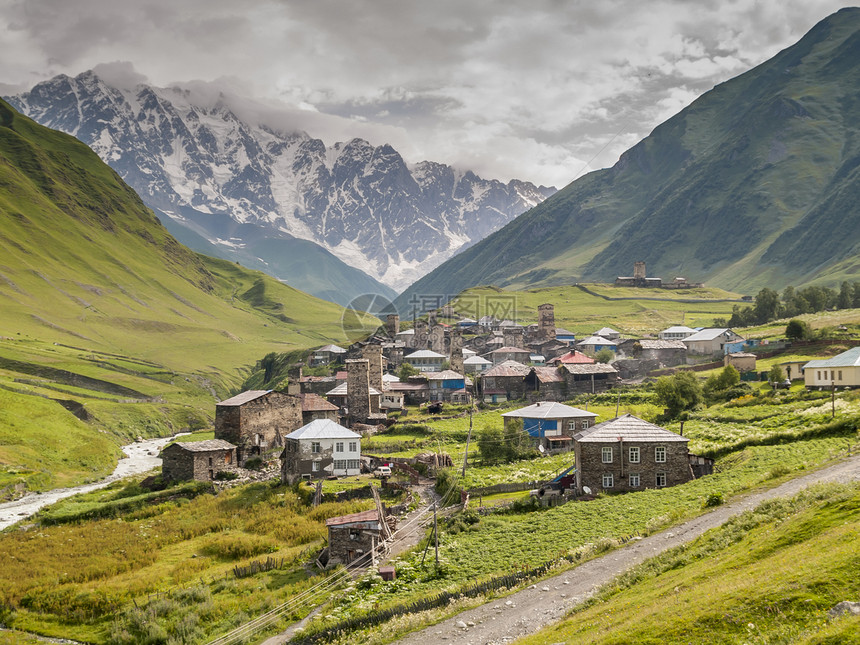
x: 574, y: 357
x: 315, y: 403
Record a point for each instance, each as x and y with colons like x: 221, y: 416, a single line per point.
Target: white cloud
x: 531, y: 90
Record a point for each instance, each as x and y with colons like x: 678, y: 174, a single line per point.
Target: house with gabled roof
x: 608, y: 333
x: 551, y: 424
x: 676, y: 332
x: 316, y: 407
x: 356, y: 537
x: 507, y: 379
x: 426, y: 360
x: 842, y: 370
x: 256, y: 421
x: 198, y: 460
x: 571, y: 357
x: 594, y: 344
x: 710, y: 341
x: 546, y: 382
x: 476, y: 365
x: 321, y: 448
x: 584, y: 377
x: 508, y: 353
x: 629, y: 454
x: 327, y: 355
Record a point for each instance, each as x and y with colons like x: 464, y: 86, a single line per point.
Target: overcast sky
x: 541, y: 90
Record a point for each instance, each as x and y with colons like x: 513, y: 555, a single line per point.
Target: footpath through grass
x: 767, y: 576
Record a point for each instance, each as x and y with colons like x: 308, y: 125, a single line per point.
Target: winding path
x: 525, y: 612
x: 141, y: 456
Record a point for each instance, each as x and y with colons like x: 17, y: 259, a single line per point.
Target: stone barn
x: 200, y: 460
x: 355, y: 536
x: 257, y: 420
x: 628, y: 454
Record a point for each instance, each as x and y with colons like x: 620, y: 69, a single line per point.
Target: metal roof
x: 333, y: 349
x: 574, y: 357
x: 627, y: 428
x: 477, y: 360
x: 707, y: 334
x: 597, y: 340
x: 678, y: 329
x: 849, y: 358
x: 444, y: 375
x: 342, y: 390
x: 423, y: 353
x: 323, y: 429
x: 549, y: 410
x: 603, y: 331
x: 203, y: 446
x: 244, y: 397
x: 510, y: 350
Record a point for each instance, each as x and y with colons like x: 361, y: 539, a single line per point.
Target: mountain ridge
x: 749, y: 186
x: 361, y: 202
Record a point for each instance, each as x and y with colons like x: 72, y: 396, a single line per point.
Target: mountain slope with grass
x: 111, y: 322
x: 754, y: 184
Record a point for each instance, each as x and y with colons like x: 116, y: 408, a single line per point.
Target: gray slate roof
x: 323, y: 429
x: 204, y: 446
x: 589, y: 368
x: 244, y: 397
x: 628, y: 428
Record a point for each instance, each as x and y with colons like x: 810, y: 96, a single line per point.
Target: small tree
x: 678, y: 393
x: 604, y: 355
x: 776, y: 375
x: 407, y: 370
x: 797, y: 330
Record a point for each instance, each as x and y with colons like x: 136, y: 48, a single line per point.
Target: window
x: 634, y: 480
x: 352, y: 463
x: 660, y: 480
x: 571, y: 425
x: 340, y: 464
x: 608, y: 480
x: 353, y: 446
x: 584, y: 424
x: 315, y: 466
x: 634, y: 454
x: 338, y: 447
x: 840, y: 375
x: 315, y: 447
x: 818, y: 373
x: 660, y: 454
x: 606, y: 454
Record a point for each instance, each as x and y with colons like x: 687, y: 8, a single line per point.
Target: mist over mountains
x: 214, y: 164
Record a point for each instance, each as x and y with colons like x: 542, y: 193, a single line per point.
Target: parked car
x: 382, y: 471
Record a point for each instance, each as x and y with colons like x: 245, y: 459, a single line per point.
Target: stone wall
x: 546, y: 322
x: 260, y: 424
x: 590, y: 466
x: 347, y: 543
x: 456, y: 361
x: 179, y: 464
x: 358, y: 392
x: 375, y: 367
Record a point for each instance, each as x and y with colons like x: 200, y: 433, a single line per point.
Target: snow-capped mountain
x: 182, y: 149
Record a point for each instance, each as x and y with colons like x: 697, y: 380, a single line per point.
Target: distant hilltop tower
x: 546, y: 322
x: 392, y: 325
x: 639, y: 270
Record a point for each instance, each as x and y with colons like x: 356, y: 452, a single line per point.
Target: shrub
x: 714, y: 499
x: 254, y: 463
x: 226, y: 475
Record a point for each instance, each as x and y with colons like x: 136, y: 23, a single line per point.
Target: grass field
x: 583, y: 313
x: 768, y: 576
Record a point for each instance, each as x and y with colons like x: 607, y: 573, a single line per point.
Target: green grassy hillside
x: 101, y: 306
x: 584, y: 310
x: 754, y: 184
x: 768, y: 576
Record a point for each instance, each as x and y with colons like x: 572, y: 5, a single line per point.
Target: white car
x: 382, y: 471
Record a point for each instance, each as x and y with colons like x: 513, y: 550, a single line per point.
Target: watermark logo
x: 365, y: 313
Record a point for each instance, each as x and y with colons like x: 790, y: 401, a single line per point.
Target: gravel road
x: 527, y: 611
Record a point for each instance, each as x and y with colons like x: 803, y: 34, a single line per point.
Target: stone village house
x: 257, y: 420
x: 320, y: 449
x: 628, y: 454
x: 200, y: 460
x: 357, y: 535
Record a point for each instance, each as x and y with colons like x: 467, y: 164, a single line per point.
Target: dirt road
x: 527, y: 611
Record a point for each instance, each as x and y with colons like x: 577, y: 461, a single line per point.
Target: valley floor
x: 526, y: 612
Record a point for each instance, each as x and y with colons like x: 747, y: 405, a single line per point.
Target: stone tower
x: 392, y: 325
x: 358, y: 390
x: 375, y: 369
x: 546, y: 322
x: 437, y: 339
x: 639, y: 270
x: 456, y: 360
x: 513, y: 336
x: 420, y: 338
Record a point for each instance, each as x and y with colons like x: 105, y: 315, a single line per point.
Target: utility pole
x: 832, y: 399
x: 468, y: 438
x: 436, y: 532
x: 617, y: 403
